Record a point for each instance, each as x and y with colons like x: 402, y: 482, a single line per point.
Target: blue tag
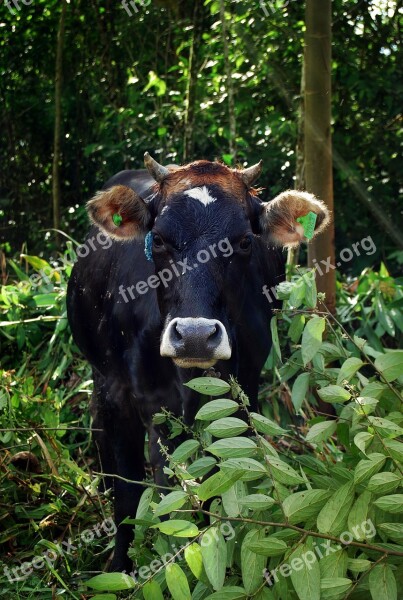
x: 148, y: 245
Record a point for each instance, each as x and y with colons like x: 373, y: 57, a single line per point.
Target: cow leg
x: 122, y: 450
x: 99, y: 431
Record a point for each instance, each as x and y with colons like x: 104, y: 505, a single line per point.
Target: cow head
x: 207, y: 227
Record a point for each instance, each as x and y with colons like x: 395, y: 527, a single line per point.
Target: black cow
x: 146, y: 326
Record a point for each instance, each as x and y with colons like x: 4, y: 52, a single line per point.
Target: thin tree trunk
x: 188, y: 140
x: 58, y: 120
x: 293, y: 253
x: 318, y: 141
x: 230, y: 87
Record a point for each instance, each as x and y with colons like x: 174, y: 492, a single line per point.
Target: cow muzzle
x: 195, y: 342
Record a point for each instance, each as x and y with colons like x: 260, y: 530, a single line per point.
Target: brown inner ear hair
x: 125, y: 202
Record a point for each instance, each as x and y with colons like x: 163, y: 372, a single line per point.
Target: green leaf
x: 311, y: 295
x: 305, y: 573
x: 177, y: 582
x: 210, y: 386
x: 299, y: 390
x: 394, y: 531
x: 296, y: 328
x: 335, y: 588
x: 333, y: 562
x: 384, y: 483
x: 230, y: 592
x: 321, y: 431
x: 297, y: 295
x: 358, y: 565
x: 232, y: 499
x: 185, y: 451
x: 157, y: 82
x: 111, y: 582
x: 227, y: 427
x: 218, y: 483
x: 274, y: 337
x: 233, y: 447
x: 382, y: 583
x: 366, y: 468
x: 216, y: 409
x: 304, y: 505
x: 385, y: 427
x: 257, y: 501
x: 214, y: 553
x: 366, y: 405
x: 171, y: 502
x: 312, y: 338
x: 251, y: 468
x: 270, y: 546
x: 177, y: 528
x: 201, y: 466
x: 144, y: 503
x: 362, y: 439
x: 391, y: 504
x: 332, y: 518
x: 359, y: 515
x: 349, y: 369
x: 194, y: 559
x: 282, y: 472
x: 265, y: 425
x: 252, y: 564
x: 390, y: 364
x: 264, y: 594
x: 334, y: 393
x: 37, y: 263
x: 111, y: 597
x: 395, y: 449
x: 152, y: 591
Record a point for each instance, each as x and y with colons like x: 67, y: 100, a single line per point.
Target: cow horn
x: 155, y: 169
x: 250, y: 174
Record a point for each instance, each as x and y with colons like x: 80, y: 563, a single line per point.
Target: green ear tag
x: 117, y: 219
x: 308, y: 223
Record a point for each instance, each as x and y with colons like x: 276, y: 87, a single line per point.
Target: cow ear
x: 279, y: 218
x: 120, y: 213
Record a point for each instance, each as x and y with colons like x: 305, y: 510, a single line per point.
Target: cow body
x: 207, y: 230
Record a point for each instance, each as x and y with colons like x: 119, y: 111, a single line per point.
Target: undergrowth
x: 248, y: 496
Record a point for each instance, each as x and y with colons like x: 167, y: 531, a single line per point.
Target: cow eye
x: 245, y: 244
x: 158, y: 242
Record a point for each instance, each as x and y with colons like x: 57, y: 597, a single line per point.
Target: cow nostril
x: 214, y: 333
x: 176, y: 334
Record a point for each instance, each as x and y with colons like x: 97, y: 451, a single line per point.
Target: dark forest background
x: 158, y: 80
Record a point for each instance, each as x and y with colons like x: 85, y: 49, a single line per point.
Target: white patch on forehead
x: 201, y: 194
x: 165, y: 209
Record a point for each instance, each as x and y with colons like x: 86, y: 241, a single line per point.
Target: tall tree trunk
x: 188, y: 140
x: 318, y: 140
x: 230, y: 87
x: 58, y: 120
x: 293, y: 252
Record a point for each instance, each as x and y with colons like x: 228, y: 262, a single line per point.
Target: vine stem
x: 365, y: 574
x: 143, y: 483
x: 307, y: 532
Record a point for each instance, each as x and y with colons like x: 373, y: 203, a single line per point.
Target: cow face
x: 207, y: 231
